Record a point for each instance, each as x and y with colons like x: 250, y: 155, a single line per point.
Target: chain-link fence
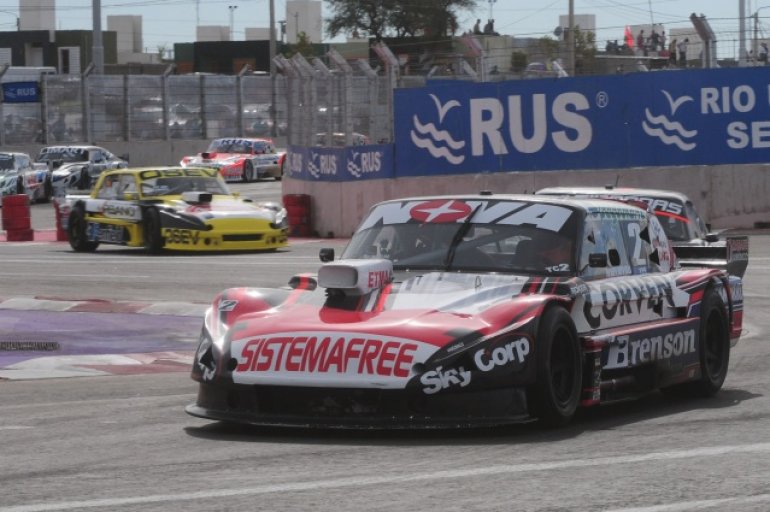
x: 322, y: 109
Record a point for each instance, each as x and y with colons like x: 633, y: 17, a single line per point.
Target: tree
x: 585, y: 51
x: 303, y: 46
x: 434, y: 19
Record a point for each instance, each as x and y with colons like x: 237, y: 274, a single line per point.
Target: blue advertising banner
x: 691, y: 117
x: 353, y: 163
x: 21, y: 92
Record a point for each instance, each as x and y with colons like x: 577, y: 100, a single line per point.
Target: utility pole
x: 97, y: 49
x: 742, y: 57
x: 571, y: 38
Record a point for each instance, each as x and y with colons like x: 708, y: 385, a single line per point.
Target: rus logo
x: 505, y: 126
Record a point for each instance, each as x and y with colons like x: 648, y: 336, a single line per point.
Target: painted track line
x: 359, y: 481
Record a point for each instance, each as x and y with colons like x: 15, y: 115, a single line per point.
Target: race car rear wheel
x: 554, y: 397
x: 153, y: 241
x: 76, y: 231
x: 713, y: 352
x: 248, y: 171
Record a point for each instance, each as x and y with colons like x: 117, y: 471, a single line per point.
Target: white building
x: 585, y: 22
x: 259, y: 34
x: 304, y: 16
x: 37, y: 14
x: 204, y: 33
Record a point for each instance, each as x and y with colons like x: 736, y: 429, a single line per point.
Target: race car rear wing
x: 730, y: 253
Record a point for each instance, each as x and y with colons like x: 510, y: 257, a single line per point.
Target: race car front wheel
x: 76, y: 231
x: 248, y: 171
x: 47, y: 189
x: 554, y: 397
x: 153, y: 241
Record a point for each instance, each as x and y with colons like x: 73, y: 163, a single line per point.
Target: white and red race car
x: 471, y: 310
x: 241, y: 159
x: 694, y: 243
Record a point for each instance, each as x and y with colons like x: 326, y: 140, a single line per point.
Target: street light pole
x: 232, y: 31
x: 273, y: 94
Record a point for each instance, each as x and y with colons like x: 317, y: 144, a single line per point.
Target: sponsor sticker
x: 316, y: 358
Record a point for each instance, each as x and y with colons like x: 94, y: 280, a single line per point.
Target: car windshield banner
x: 662, y: 118
x: 352, y: 163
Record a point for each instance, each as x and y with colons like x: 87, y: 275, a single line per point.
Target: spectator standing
x: 763, y: 54
x: 477, y: 27
x: 654, y: 41
x: 672, y: 49
x: 682, y: 48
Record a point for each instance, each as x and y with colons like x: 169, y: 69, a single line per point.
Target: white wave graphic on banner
x: 439, y: 143
x: 669, y: 132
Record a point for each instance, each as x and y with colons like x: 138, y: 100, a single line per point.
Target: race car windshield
x: 6, y: 163
x: 177, y: 185
x: 675, y: 226
x: 482, y: 247
x: 230, y: 146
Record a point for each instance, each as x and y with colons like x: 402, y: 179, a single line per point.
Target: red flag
x: 629, y: 37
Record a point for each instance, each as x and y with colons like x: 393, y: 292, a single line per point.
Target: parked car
x: 451, y: 311
x: 78, y: 166
x: 18, y: 175
x: 241, y: 159
x: 185, y: 209
x: 695, y: 244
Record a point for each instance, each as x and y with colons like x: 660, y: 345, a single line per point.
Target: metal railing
x: 310, y: 110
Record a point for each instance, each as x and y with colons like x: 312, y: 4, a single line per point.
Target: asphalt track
x: 118, y: 442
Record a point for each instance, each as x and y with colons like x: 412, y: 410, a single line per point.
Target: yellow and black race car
x: 171, y: 208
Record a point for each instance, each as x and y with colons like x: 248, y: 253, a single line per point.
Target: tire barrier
x: 16, y: 218
x: 300, y: 215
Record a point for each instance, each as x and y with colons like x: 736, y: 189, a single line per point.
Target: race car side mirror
x: 597, y: 260
x: 326, y: 254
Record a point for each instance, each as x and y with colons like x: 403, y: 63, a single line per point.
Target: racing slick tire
x: 153, y: 241
x: 76, y: 231
x: 248, y: 171
x: 713, y: 350
x: 554, y: 397
x: 280, y: 173
x: 47, y: 190
x: 84, y: 180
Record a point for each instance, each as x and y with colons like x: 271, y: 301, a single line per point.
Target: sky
x: 166, y: 22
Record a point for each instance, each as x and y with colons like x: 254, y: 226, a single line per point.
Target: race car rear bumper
x: 358, y: 408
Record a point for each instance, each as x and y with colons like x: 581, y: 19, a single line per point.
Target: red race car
x: 471, y: 310
x: 241, y: 159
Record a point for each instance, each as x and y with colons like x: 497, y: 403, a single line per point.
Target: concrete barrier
x: 727, y: 196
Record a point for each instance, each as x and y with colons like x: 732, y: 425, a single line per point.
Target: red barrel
x: 300, y: 216
x: 61, y: 232
x: 16, y: 218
